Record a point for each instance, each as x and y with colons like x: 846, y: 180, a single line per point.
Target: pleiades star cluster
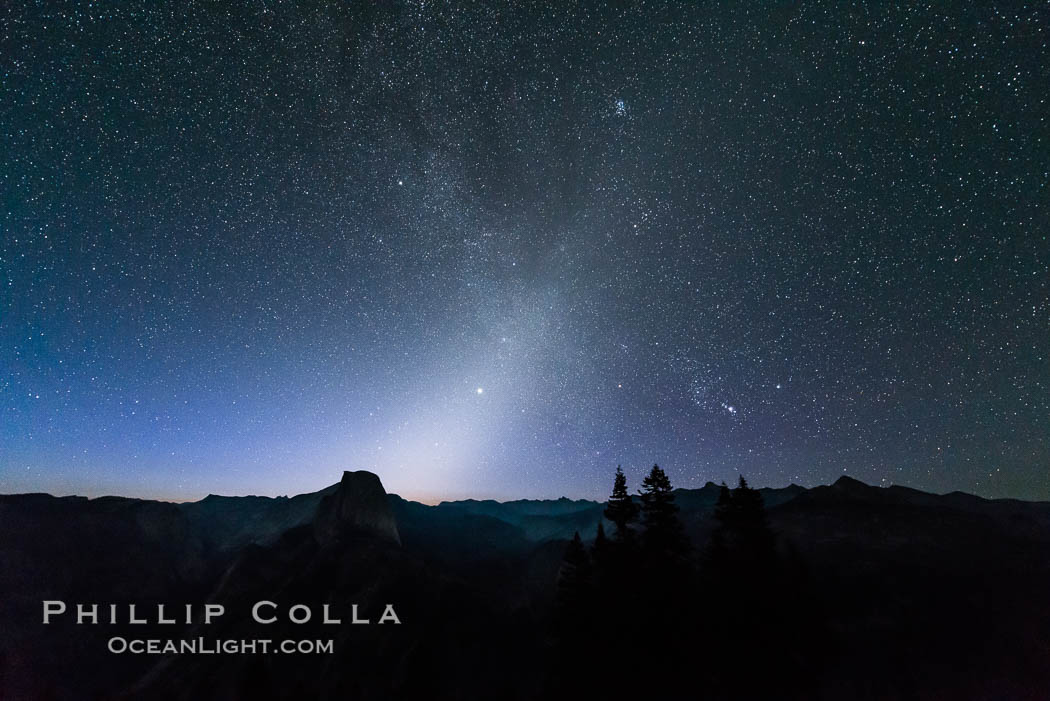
x: 496, y: 249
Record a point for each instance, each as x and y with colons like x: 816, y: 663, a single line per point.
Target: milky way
x: 496, y: 251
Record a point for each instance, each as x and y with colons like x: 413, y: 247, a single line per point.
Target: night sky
x: 495, y: 251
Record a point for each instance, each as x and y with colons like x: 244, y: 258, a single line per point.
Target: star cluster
x: 498, y: 249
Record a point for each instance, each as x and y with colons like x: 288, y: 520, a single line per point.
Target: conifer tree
x: 621, y: 509
x: 717, y: 551
x: 663, y: 530
x: 742, y: 572
x: 743, y: 534
x: 724, y: 506
x: 574, y: 574
x: 752, y: 526
x: 601, y: 544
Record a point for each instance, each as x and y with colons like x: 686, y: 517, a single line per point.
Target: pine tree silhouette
x: 756, y: 624
x: 573, y: 599
x: 574, y: 620
x: 600, y: 549
x: 743, y: 533
x: 724, y: 505
x: 621, y: 509
x: 663, y: 530
x: 717, y: 552
x: 574, y: 565
x: 742, y: 549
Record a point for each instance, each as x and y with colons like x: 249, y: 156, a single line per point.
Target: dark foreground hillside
x: 838, y: 592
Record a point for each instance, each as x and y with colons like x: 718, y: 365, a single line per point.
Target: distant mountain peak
x: 849, y: 483
x: 358, y: 503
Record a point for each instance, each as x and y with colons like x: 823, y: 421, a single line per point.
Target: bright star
x: 480, y: 390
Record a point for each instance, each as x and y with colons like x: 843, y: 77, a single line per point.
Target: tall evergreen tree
x: 752, y: 525
x: 743, y: 573
x: 724, y: 506
x: 743, y: 535
x: 663, y: 530
x: 601, y: 544
x: 573, y: 620
x: 574, y: 575
x: 621, y: 509
x: 717, y: 551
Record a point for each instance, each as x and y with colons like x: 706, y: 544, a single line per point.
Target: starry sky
x: 496, y: 249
